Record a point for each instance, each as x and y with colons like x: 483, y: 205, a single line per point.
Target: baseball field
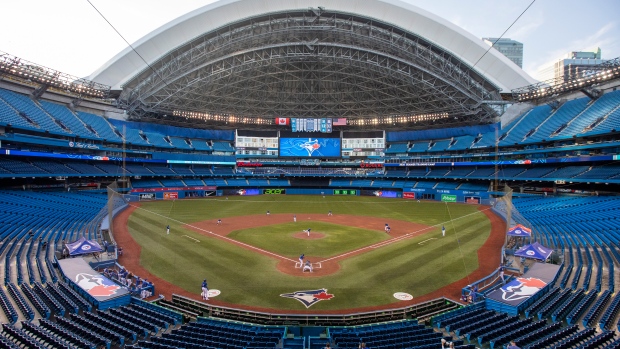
x: 252, y: 257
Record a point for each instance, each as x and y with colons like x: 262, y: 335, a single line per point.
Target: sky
x: 70, y: 36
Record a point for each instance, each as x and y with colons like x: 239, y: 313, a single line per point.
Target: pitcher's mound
x: 312, y: 236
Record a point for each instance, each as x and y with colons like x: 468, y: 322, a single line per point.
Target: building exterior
x: 508, y: 47
x: 573, y: 65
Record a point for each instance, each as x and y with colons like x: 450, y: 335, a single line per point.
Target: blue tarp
x: 535, y: 250
x: 83, y: 246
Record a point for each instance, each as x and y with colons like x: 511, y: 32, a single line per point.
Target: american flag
x: 340, y: 122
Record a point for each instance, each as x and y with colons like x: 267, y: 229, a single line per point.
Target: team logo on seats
x: 309, y: 298
x: 521, y: 288
x: 96, y: 285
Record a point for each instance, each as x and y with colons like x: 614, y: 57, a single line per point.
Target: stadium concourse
x: 266, y: 100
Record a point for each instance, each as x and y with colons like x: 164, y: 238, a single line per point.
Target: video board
x: 310, y: 147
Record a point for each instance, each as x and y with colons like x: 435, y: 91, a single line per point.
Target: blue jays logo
x: 521, y: 288
x: 309, y: 298
x: 96, y: 285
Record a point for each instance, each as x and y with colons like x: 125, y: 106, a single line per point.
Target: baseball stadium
x: 305, y: 175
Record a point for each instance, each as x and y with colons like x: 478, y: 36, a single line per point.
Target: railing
x: 422, y: 311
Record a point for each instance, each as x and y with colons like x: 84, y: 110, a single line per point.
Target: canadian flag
x: 282, y: 121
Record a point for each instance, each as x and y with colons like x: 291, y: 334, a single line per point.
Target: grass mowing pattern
x: 278, y: 238
x: 245, y: 277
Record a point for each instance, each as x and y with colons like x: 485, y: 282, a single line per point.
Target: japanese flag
x: 282, y: 121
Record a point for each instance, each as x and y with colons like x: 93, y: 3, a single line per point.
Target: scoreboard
x: 345, y: 192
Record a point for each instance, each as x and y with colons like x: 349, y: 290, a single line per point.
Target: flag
x: 282, y: 121
x: 340, y: 122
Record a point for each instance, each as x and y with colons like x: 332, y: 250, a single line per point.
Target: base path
x: 488, y: 254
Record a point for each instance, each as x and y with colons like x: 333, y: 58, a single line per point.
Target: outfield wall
x: 444, y: 195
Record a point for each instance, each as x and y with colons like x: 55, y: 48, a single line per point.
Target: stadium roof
x: 312, y: 58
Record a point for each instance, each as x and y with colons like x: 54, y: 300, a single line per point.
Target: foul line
x: 219, y: 236
x: 400, y: 238
x: 189, y: 237
x: 422, y: 242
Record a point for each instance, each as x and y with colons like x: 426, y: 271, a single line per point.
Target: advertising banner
x: 408, y: 195
x: 171, y: 195
x: 143, y: 190
x: 243, y: 192
x: 274, y: 191
x: 472, y: 200
x: 147, y: 196
x: 448, y: 198
x: 379, y: 193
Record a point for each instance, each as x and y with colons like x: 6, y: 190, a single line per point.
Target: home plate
x: 214, y: 293
x: 400, y: 296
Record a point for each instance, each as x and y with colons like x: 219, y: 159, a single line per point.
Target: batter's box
x: 316, y: 265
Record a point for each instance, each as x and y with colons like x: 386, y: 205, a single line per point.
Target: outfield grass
x: 248, y: 278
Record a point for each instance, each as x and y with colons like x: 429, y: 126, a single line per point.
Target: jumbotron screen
x: 310, y: 147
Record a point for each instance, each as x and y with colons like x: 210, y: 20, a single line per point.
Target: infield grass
x: 417, y: 266
x: 278, y: 238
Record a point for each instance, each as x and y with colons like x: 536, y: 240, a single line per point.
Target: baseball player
x: 295, y: 218
x: 219, y: 222
x: 168, y: 229
x: 443, y: 231
x: 301, y: 260
x: 329, y: 213
x: 307, y: 231
x: 205, y: 290
x: 307, y: 266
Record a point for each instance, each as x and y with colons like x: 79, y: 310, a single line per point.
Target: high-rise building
x: 573, y: 65
x: 508, y: 47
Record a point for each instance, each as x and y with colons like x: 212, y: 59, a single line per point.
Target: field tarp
x: 518, y: 292
x: 97, y: 286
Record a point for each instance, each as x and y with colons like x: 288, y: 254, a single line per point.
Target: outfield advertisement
x: 243, y: 192
x: 380, y: 193
x: 147, y: 196
x: 143, y: 190
x: 448, y: 198
x: 472, y: 200
x: 274, y: 191
x: 408, y: 195
x: 310, y: 147
x: 171, y: 195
